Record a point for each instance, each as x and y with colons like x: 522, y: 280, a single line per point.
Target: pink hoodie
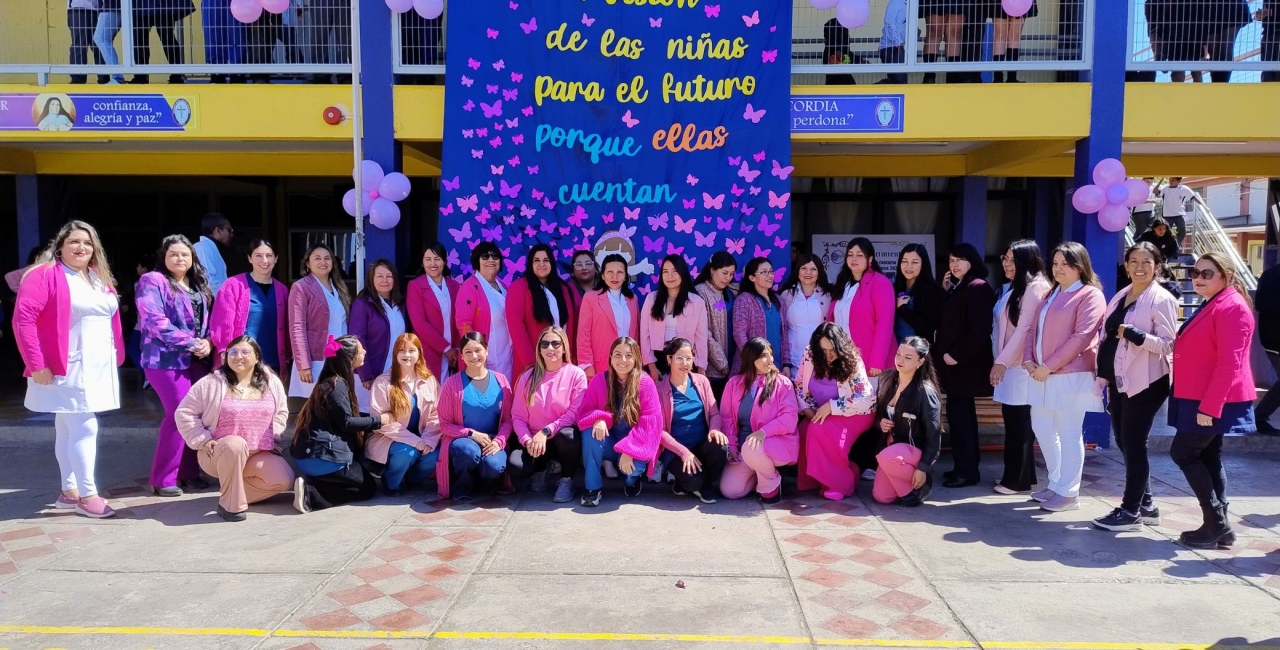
x: 450, y: 409
x: 778, y: 417
x: 379, y: 443
x: 645, y: 439
x: 42, y: 321
x: 556, y: 402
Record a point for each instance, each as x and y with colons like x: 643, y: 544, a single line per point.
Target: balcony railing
x: 1205, y: 40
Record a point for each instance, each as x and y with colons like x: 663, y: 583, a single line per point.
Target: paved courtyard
x: 971, y: 569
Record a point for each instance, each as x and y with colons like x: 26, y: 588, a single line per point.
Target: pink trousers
x: 898, y: 463
x: 244, y: 476
x: 824, y: 457
x: 758, y: 469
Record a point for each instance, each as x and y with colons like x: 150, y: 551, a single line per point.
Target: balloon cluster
x: 429, y: 9
x: 851, y: 14
x: 381, y: 191
x: 1111, y: 195
x: 247, y: 11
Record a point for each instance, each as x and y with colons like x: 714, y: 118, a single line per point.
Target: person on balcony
x: 1269, y: 16
x: 945, y: 21
x: 893, y: 39
x: 104, y: 35
x: 223, y: 36
x: 1008, y: 40
x: 1222, y: 22
x: 166, y: 17
x: 329, y: 24
x: 82, y: 18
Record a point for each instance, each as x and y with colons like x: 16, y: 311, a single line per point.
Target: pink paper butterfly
x: 549, y: 204
x: 631, y: 214
x: 659, y: 222
x: 517, y: 77
x: 578, y: 216
x: 751, y: 114
x: 468, y: 204
x: 497, y: 170
x: 769, y: 56
x: 452, y: 185
x: 779, y: 202
x: 547, y: 227
x: 468, y: 81
x: 495, y: 110
x: 491, y: 33
x: 484, y: 216
x: 691, y: 179
x: 690, y: 204
x: 705, y: 241
x: 768, y: 228
x: 724, y: 224
x: 712, y: 203
x: 588, y: 21
x: 492, y: 89
x: 447, y: 210
x: 500, y: 65
x: 469, y: 106
x: 755, y: 191
x: 473, y: 64
x: 760, y: 252
x: 685, y: 226
x: 537, y: 195
x: 533, y: 170
x: 512, y: 191
x: 491, y: 233
x: 527, y: 212
x: 672, y: 250
x: 463, y: 233
x: 468, y: 133
x: 608, y: 218
x: 759, y: 157
x: 482, y: 132
x: 735, y: 246
x: 752, y: 20
x: 510, y: 95
x: 654, y: 245
x: 513, y: 122
x: 738, y: 191
x: 747, y: 174
x: 779, y: 242
x: 735, y: 161
x: 515, y: 160
x: 527, y: 111
x: 531, y: 26
x: 655, y: 22
x: 782, y: 172
x: 713, y: 11
x: 517, y: 139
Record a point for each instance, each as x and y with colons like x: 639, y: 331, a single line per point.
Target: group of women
x: 711, y: 389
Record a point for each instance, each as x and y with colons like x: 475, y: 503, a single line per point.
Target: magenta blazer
x: 778, y: 417
x: 690, y: 324
x: 1211, y: 355
x: 525, y: 329
x: 451, y: 427
x: 472, y: 308
x: 308, y: 321
x: 231, y: 317
x: 1156, y: 314
x: 42, y: 321
x: 1070, y: 338
x: 710, y: 411
x: 597, y: 329
x: 427, y: 320
x: 871, y: 320
x: 644, y: 442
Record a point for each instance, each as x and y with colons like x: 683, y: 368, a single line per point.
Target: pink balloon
x: 400, y: 6
x: 384, y: 214
x: 1108, y: 172
x: 395, y: 186
x: 349, y: 203
x: 371, y: 175
x: 852, y: 14
x: 1016, y: 8
x: 246, y: 11
x: 823, y: 5
x: 1117, y: 194
x: 276, y: 6
x: 1139, y: 192
x: 1114, y: 218
x: 429, y: 9
x: 1088, y: 199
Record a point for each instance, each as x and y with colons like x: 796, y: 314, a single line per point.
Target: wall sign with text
x: 95, y: 112
x: 847, y: 114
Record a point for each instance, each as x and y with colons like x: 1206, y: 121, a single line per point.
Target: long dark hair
x: 793, y: 281
x: 719, y: 260
x: 977, y: 266
x: 614, y: 258
x: 926, y: 269
x: 1077, y: 257
x: 335, y: 274
x: 1027, y: 266
x: 925, y: 376
x: 196, y: 277
x: 847, y: 355
x: 845, y: 278
x: 370, y: 294
x: 339, y: 366
x: 661, y: 296
x: 750, y: 353
x: 747, y: 286
x: 1162, y: 269
x: 259, y: 380
x: 438, y: 248
x: 553, y: 283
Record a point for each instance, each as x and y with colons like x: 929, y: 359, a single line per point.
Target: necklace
x: 242, y: 390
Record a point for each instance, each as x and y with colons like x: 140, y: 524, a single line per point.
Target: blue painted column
x: 972, y: 227
x: 28, y: 191
x: 379, y: 121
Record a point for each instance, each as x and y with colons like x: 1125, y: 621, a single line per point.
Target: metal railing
x: 1218, y: 40
x: 1207, y: 235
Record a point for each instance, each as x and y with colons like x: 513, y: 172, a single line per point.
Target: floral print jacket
x: 857, y: 396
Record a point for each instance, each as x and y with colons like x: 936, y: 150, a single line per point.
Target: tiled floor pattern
x: 22, y: 547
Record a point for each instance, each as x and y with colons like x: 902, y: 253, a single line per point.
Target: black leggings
x: 344, y: 486
x: 962, y: 419
x: 1199, y: 456
x: 1131, y: 419
x: 565, y: 448
x: 713, y: 458
x: 1019, y: 448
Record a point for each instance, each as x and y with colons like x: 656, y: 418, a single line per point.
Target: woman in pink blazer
x: 692, y: 432
x: 409, y: 444
x: 675, y: 310
x: 760, y: 415
x: 1213, y: 391
x: 1061, y: 355
x: 535, y: 302
x: 256, y: 304
x: 608, y: 313
x: 431, y: 302
x: 475, y: 418
x: 67, y: 325
x: 863, y: 304
x: 318, y: 307
x: 482, y: 307
x: 621, y: 422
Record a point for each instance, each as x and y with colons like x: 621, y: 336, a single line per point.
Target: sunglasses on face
x: 490, y: 256
x: 547, y: 345
x: 1207, y: 274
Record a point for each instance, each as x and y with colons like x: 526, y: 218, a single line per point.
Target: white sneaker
x: 610, y: 470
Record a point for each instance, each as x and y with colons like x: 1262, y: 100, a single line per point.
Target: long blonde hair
x: 539, y: 369
x: 1229, y: 273
x: 400, y: 400
x: 53, y: 252
x: 625, y: 400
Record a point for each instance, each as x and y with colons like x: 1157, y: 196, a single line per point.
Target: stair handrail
x: 1207, y: 235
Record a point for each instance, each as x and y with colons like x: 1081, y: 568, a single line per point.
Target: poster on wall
x: 642, y: 130
x: 52, y: 112
x: 831, y: 249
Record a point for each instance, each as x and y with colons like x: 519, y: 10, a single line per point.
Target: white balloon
x: 852, y: 14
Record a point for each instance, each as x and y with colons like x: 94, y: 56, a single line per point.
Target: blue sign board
x: 847, y: 114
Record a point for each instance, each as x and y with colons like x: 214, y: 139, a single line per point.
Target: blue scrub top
x: 482, y: 411
x: 262, y: 322
x: 744, y: 414
x: 773, y: 327
x: 688, y: 422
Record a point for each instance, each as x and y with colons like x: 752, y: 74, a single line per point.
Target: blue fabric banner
x: 640, y: 127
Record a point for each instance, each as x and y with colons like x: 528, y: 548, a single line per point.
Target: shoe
x: 632, y: 490
x: 194, y: 484
x: 1265, y: 428
x: 949, y: 475
x: 1150, y: 515
x: 564, y: 490
x: 538, y: 484
x: 65, y: 502
x: 231, y: 516
x: 1043, y: 495
x: 1000, y: 489
x: 1060, y: 503
x: 677, y: 490
x: 707, y: 496
x: 171, y: 491
x: 1119, y: 521
x: 591, y: 498
x: 958, y: 482
x: 554, y: 468
x: 392, y: 493
x: 95, y: 507
x: 832, y: 495
x: 610, y: 470
x: 868, y: 475
x: 300, y: 495
x: 1216, y: 532
x: 772, y: 497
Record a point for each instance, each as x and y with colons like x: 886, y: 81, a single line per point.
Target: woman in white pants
x: 67, y: 325
x: 1062, y: 357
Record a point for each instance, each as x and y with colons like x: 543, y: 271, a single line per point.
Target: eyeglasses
x: 490, y: 256
x: 234, y: 353
x: 584, y: 265
x: 1207, y: 274
x: 682, y: 359
x: 546, y: 345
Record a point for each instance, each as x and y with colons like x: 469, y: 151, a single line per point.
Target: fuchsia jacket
x: 1156, y: 314
x: 556, y: 402
x: 1070, y: 337
x: 778, y: 417
x: 525, y: 329
x: 597, y: 329
x: 377, y: 444
x: 691, y: 324
x: 709, y: 410
x: 42, y: 321
x: 450, y: 410
x: 645, y: 439
x: 308, y: 321
x: 231, y: 317
x: 1211, y: 355
x: 871, y: 320
x: 427, y: 320
x: 471, y: 313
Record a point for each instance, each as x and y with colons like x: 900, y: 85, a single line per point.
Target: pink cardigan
x: 472, y: 308
x: 690, y: 324
x: 1011, y: 341
x: 871, y: 320
x: 42, y: 321
x: 597, y: 329
x: 308, y: 321
x: 379, y: 443
x: 556, y: 402
x: 427, y: 319
x: 451, y: 426
x: 1156, y: 314
x: 778, y: 417
x: 526, y: 330
x: 1070, y: 337
x: 645, y: 439
x: 231, y: 317
x: 1211, y: 355
x: 197, y: 415
x: 709, y: 410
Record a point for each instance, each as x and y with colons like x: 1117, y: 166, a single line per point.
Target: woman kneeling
x: 910, y: 413
x: 410, y: 443
x: 839, y: 406
x: 621, y: 412
x: 691, y: 426
x: 475, y: 416
x: 760, y: 412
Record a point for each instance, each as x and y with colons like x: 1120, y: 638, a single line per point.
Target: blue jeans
x: 465, y: 458
x: 595, y: 452
x: 104, y: 36
x: 407, y: 464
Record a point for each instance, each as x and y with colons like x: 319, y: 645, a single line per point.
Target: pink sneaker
x: 833, y: 495
x: 65, y: 502
x: 95, y: 507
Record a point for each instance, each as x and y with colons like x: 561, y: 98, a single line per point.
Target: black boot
x: 1215, y: 533
x: 930, y: 77
x: 954, y: 77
